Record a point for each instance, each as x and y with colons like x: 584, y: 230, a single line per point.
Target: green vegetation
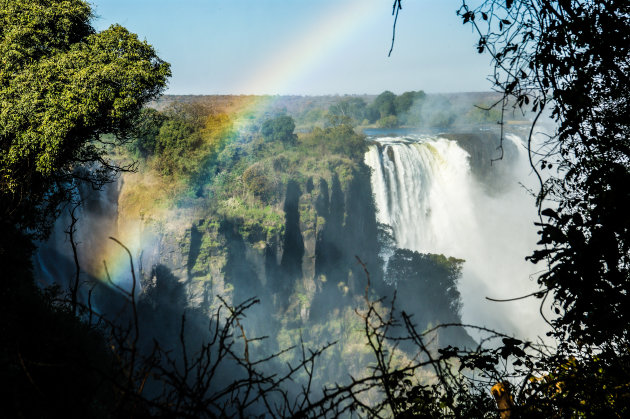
x: 352, y: 107
x: 62, y: 86
x: 340, y: 140
x: 404, y: 102
x: 146, y: 131
x: 242, y: 176
x: 433, y: 279
x: 389, y: 110
x: 182, y: 141
x: 280, y: 129
x: 384, y: 104
x: 390, y: 121
x: 413, y: 109
x: 263, y: 170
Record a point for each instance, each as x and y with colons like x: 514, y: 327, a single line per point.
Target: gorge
x: 427, y: 214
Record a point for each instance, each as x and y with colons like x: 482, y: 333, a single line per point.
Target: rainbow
x: 280, y: 73
x: 285, y: 68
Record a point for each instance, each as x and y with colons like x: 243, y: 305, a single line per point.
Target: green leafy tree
x: 62, y: 86
x: 384, y: 104
x: 333, y: 120
x: 311, y: 116
x: 432, y: 281
x: 403, y: 102
x: 257, y: 181
x: 177, y: 140
x: 372, y: 114
x: 281, y: 128
x: 146, y: 131
x: 339, y: 139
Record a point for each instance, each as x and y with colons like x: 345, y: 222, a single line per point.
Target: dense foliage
x: 572, y: 58
x: 63, y: 85
x: 391, y: 110
x: 582, y: 62
x: 568, y: 60
x: 182, y: 142
x: 432, y: 279
x: 279, y: 128
x: 415, y: 109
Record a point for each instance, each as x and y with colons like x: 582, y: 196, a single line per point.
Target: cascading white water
x: 425, y: 190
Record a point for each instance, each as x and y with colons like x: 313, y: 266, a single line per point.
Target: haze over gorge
x: 279, y: 198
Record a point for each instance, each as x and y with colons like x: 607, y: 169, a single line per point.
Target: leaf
x: 511, y: 341
x: 548, y: 212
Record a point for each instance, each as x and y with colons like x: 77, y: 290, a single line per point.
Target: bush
x: 256, y: 180
x: 280, y: 129
x: 339, y: 139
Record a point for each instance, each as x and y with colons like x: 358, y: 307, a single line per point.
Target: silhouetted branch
x: 395, y: 9
x: 537, y: 294
x: 74, y: 288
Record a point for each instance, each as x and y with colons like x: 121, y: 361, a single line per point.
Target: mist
x: 301, y: 226
x: 439, y: 201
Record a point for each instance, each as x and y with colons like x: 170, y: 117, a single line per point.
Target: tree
x: 280, y: 128
x: 146, y: 131
x: 403, y: 102
x: 390, y: 121
x: 339, y: 138
x: 568, y: 60
x: 177, y: 141
x: 571, y: 57
x: 384, y: 104
x: 372, y: 114
x: 62, y: 86
x: 431, y: 280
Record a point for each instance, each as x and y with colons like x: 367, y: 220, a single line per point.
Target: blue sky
x: 308, y: 47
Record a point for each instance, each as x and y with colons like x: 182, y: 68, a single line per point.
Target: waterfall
x: 422, y: 191
x: 425, y: 189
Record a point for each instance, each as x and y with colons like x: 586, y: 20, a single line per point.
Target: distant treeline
x: 386, y: 110
x: 411, y: 109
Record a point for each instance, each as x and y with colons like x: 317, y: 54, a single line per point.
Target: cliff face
x: 491, y: 159
x: 293, y: 243
x: 309, y: 262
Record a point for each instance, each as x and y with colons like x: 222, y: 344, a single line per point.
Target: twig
x: 395, y: 9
